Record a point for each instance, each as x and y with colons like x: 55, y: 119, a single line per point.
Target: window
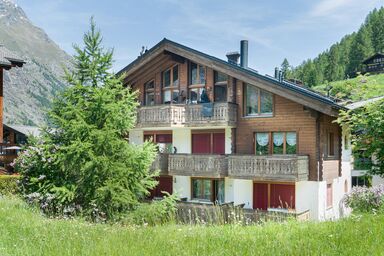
x: 362, y: 181
x: 282, y: 143
x: 257, y: 102
x: 331, y: 144
x: 197, y: 83
x: 208, y: 143
x: 149, y: 88
x: 208, y: 190
x: 329, y: 195
x: 171, y: 85
x: 220, y: 88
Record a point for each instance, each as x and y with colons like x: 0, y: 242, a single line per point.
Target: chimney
x: 276, y: 72
x: 233, y: 57
x: 244, y: 53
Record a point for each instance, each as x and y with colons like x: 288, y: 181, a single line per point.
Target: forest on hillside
x: 343, y: 59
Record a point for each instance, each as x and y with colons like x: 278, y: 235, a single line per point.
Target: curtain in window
x: 278, y: 138
x: 291, y: 138
x: 262, y: 139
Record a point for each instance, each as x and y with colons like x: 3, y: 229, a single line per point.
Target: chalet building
x: 374, y: 64
x: 229, y: 134
x: 8, y: 60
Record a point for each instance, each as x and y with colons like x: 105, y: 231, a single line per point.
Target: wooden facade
x: 374, y: 64
x: 296, y: 110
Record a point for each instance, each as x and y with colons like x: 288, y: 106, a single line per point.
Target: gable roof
x: 378, y: 54
x: 8, y: 58
x: 24, y: 129
x: 283, y: 88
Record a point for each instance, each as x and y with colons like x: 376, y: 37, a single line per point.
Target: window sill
x: 259, y: 116
x: 196, y: 85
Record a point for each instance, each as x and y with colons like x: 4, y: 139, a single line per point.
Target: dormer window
x: 171, y: 85
x: 149, y: 88
x: 257, y: 102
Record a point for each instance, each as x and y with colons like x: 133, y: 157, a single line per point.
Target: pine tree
x: 286, y: 68
x: 84, y: 163
x: 361, y: 49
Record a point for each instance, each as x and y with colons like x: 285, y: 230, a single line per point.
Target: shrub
x: 8, y: 184
x: 154, y: 213
x: 363, y: 199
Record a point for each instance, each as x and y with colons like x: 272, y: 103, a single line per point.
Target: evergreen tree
x: 286, y: 68
x: 84, y: 164
x: 361, y: 49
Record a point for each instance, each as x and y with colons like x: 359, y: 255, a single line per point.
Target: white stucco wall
x: 243, y: 192
x: 182, y: 140
x: 136, y: 137
x: 228, y: 141
x: 307, y: 198
x: 229, y: 193
x: 182, y: 186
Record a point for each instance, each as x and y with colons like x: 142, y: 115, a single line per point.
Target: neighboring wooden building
x: 374, y: 64
x: 228, y: 134
x: 8, y: 60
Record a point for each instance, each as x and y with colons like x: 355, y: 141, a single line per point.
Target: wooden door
x: 283, y: 196
x: 165, y: 184
x: 201, y: 143
x: 260, y: 196
x: 219, y: 143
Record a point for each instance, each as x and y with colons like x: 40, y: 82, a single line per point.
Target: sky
x: 292, y: 29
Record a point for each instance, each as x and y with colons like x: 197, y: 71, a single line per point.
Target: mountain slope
x: 28, y: 91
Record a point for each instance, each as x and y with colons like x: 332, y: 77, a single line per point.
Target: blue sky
x: 295, y: 29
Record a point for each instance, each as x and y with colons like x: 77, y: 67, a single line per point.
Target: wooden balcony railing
x: 278, y: 168
x: 224, y: 114
x: 7, y: 155
x: 161, y: 116
x: 221, y: 114
x: 161, y: 164
x: 198, y: 165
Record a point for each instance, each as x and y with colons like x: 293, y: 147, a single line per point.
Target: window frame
x: 171, y: 88
x: 199, y: 86
x: 331, y: 152
x: 150, y: 90
x: 271, y: 145
x: 213, y: 197
x: 259, y: 114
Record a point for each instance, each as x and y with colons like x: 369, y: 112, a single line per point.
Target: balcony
x: 198, y: 165
x: 160, y: 164
x: 273, y: 168
x: 221, y: 114
x: 193, y: 115
x: 161, y: 116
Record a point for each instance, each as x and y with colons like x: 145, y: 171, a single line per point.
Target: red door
x: 165, y: 184
x: 260, y: 196
x: 283, y: 196
x: 201, y: 143
x: 219, y: 143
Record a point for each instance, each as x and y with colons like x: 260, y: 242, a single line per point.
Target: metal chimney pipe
x: 276, y: 72
x: 244, y: 53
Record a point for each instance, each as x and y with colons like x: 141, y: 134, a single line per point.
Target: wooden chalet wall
x: 1, y: 104
x: 311, y: 126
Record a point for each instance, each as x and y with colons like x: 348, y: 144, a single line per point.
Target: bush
x: 8, y: 184
x: 363, y: 199
x: 154, y: 213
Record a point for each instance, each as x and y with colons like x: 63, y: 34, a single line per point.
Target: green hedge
x: 8, y: 184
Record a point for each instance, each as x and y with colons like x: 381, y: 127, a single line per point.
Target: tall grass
x: 25, y: 232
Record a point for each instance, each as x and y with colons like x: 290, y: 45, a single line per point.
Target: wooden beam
x: 150, y: 68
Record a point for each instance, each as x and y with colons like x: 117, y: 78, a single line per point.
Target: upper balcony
x: 276, y: 167
x: 198, y: 165
x: 193, y: 115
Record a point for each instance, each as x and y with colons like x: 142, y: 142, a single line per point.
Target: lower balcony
x: 274, y: 168
x: 160, y: 164
x: 198, y: 165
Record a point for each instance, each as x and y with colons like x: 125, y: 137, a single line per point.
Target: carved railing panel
x: 284, y: 168
x: 198, y: 165
x: 222, y: 114
x: 160, y: 164
x: 161, y: 115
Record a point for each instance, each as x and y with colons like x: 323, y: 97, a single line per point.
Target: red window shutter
x: 219, y: 143
x: 283, y: 196
x: 260, y: 196
x: 201, y: 143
